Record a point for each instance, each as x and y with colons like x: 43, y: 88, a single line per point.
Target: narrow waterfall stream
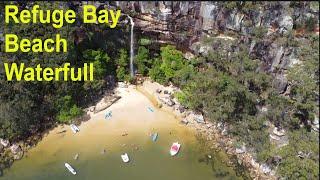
x: 131, y: 46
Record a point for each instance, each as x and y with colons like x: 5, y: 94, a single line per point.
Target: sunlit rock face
x: 198, y: 18
x: 186, y: 23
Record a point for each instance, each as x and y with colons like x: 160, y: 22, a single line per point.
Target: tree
x: 67, y: 109
x: 300, y: 159
x: 142, y: 60
x: 122, y: 63
x: 156, y: 72
x: 172, y: 61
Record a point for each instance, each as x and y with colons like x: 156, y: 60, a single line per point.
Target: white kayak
x: 175, y: 148
x: 74, y: 128
x: 125, y: 157
x: 68, y: 166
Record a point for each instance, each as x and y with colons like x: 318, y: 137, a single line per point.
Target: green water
x: 150, y: 161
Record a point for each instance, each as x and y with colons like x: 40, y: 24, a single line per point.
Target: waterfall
x: 131, y: 46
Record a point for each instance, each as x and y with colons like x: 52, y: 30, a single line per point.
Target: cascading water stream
x: 131, y: 46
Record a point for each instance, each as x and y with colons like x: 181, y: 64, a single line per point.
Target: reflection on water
x: 149, y: 160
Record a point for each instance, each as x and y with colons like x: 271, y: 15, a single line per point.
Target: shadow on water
x: 222, y: 165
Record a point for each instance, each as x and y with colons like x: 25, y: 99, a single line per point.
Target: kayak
x: 108, y: 114
x: 74, y: 128
x: 125, y: 157
x: 68, y: 166
x: 154, y: 137
x: 175, y: 148
x: 76, y: 156
x: 150, y: 109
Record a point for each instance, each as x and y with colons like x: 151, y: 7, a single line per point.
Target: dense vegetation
x: 30, y: 107
x: 232, y: 89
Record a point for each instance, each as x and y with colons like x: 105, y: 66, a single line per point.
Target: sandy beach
x: 101, y: 141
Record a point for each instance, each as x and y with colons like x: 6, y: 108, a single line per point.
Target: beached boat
x: 74, y: 128
x: 108, y: 115
x: 68, y: 166
x: 175, y: 148
x: 125, y: 157
x: 154, y: 137
x: 150, y: 109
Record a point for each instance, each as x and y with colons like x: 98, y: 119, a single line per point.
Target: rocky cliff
x: 186, y: 23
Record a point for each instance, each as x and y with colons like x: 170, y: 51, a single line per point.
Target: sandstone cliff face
x: 185, y: 23
x: 180, y: 20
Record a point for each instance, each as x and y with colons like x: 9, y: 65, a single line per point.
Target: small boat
x: 154, y: 137
x: 150, y: 109
x: 74, y: 128
x: 103, y: 151
x: 125, y: 157
x: 76, y: 156
x: 68, y: 166
x: 175, y: 148
x: 108, y: 114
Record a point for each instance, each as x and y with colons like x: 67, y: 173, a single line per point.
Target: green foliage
x: 144, y: 42
x: 156, y: 72
x: 172, y: 67
x: 67, y: 109
x: 100, y: 61
x: 183, y: 75
x: 172, y: 61
x: 143, y: 61
x: 259, y: 32
x: 231, y: 5
x: 306, y: 167
x: 122, y: 63
x: 311, y: 23
x: 29, y: 107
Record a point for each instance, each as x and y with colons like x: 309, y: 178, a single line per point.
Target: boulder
x: 209, y: 126
x: 199, y: 118
x: 316, y: 127
x: 278, y: 132
x: 15, y: 149
x: 158, y: 91
x: 281, y: 83
x: 122, y: 85
x: 4, y: 142
x: 241, y: 150
x: 265, y: 168
x: 18, y: 156
x: 316, y: 120
x: 167, y: 100
x: 286, y: 23
x: 184, y: 121
x: 264, y: 109
x: 224, y: 132
x: 188, y: 55
x: 181, y: 109
x: 92, y: 108
x: 276, y: 138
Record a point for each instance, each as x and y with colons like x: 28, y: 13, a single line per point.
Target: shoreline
x: 214, y: 138
x: 215, y: 134
x: 98, y: 134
